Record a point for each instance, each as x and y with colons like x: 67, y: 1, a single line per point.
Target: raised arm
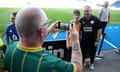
x: 76, y: 50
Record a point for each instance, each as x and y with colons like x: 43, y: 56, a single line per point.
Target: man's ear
x: 40, y: 32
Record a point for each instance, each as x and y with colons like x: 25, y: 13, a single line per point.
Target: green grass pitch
x: 64, y: 14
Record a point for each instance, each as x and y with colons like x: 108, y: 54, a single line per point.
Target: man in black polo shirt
x: 91, y: 31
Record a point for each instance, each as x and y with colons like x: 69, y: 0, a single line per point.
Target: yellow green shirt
x: 1, y: 42
x: 23, y: 59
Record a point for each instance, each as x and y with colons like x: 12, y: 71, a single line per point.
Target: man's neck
x: 34, y: 44
x: 75, y: 19
x: 88, y: 18
x: 105, y: 7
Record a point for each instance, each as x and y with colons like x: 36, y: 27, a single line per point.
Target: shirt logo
x: 14, y: 37
x: 87, y: 29
x: 83, y: 22
x: 10, y: 30
x: 91, y: 22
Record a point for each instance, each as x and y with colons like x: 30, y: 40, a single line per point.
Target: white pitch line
x: 110, y: 44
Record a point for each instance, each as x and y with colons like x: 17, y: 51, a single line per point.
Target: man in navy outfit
x: 11, y: 33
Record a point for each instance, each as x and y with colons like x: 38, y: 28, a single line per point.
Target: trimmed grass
x: 64, y: 14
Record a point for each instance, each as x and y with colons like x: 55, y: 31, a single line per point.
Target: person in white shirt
x: 104, y: 15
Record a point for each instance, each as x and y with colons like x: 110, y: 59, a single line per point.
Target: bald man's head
x: 29, y: 20
x: 87, y: 11
x: 106, y: 3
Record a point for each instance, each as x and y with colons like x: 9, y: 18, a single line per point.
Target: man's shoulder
x: 49, y: 56
x: 108, y: 9
x: 83, y: 18
x: 13, y: 43
x: 11, y: 47
x: 104, y: 9
x: 94, y: 17
x: 52, y: 58
x: 9, y: 25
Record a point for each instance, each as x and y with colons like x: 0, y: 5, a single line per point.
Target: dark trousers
x: 88, y: 50
x: 69, y: 54
x: 103, y: 26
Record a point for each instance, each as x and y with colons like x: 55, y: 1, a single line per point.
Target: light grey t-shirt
x: 104, y: 14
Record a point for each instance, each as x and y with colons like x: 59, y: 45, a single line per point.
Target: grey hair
x: 29, y: 20
x: 87, y: 6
